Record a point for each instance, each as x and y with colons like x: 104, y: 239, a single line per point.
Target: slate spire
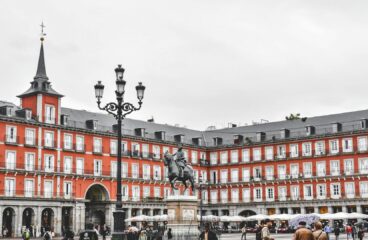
x: 41, y: 68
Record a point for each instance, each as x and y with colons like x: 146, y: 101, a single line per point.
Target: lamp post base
x: 119, y: 225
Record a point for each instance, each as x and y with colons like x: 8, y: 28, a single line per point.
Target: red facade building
x: 58, y: 165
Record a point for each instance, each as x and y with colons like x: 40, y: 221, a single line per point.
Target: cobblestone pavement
x: 251, y: 236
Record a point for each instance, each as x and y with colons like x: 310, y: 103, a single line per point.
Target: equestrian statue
x: 179, y: 170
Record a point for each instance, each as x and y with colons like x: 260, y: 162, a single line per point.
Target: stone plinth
x: 182, y: 217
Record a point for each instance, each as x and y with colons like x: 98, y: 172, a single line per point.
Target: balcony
x: 48, y: 144
x: 30, y: 142
x: 11, y: 139
x: 7, y: 193
x: 80, y: 148
x: 98, y: 150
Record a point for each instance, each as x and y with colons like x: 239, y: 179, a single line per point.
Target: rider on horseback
x: 180, y: 160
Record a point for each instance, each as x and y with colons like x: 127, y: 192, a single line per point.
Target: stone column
x: 277, y: 210
x: 359, y: 209
x: 38, y: 220
x: 302, y: 210
x: 108, y: 214
x: 82, y: 216
x: 290, y: 210
x: 57, y: 221
x: 1, y: 217
x: 18, y: 220
x: 128, y: 214
x: 316, y: 210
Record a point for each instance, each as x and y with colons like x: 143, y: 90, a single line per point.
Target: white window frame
x: 97, y: 167
x: 224, y: 175
x: 234, y: 156
x: 257, y: 154
x: 281, y: 175
x: 48, y: 193
x: 113, y: 147
x: 224, y: 157
x: 294, y: 174
x: 30, y: 136
x: 67, y: 194
x: 350, y: 191
x: 321, y: 172
x: 349, y: 168
x: 79, y: 143
x: 333, y: 190
x: 246, y: 178
x: 234, y: 175
x: 282, y: 192
x: 321, y: 191
x: 270, y: 194
x: 10, y: 187
x: 246, y: 155
x: 246, y: 195
x: 10, y: 159
x: 363, y: 189
x: 320, y: 148
x: 29, y: 163
x: 334, y: 146
x: 145, y: 150
x: 294, y: 150
x: 135, y: 170
x: 362, y: 144
x: 68, y: 145
x: 146, y: 170
x: 50, y: 114
x: 157, y: 172
x: 49, y: 139
x: 307, y: 196
x: 347, y: 145
x: 307, y: 174
x: 49, y: 164
x: 257, y: 194
x: 97, y: 145
x: 156, y: 152
x: 68, y: 169
x: 224, y: 195
x: 79, y: 171
x: 269, y: 153
x: 335, y: 170
x: 306, y: 149
x: 28, y: 188
x: 234, y: 195
x: 269, y: 173
x: 281, y: 151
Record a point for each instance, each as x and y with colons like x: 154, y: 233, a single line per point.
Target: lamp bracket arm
x: 129, y: 108
x: 110, y: 108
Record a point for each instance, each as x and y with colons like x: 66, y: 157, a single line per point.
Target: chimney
x: 336, y: 127
x: 310, y: 130
x: 139, y: 132
x: 198, y: 141
x: 92, y: 124
x: 238, y: 139
x: 285, y: 133
x: 217, y: 141
x: 179, y: 138
x: 64, y: 119
x: 364, y: 123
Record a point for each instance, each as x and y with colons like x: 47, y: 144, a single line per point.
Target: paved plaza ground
x: 237, y: 236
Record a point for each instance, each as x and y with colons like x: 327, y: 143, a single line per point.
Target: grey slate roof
x: 323, y: 124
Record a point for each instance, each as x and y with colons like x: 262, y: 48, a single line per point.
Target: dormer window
x: 310, y: 130
x: 160, y: 135
x: 364, y: 123
x: 92, y: 124
x: 179, y: 138
x: 197, y: 141
x: 238, y: 139
x: 217, y: 141
x: 64, y: 119
x: 336, y: 127
x: 261, y: 136
x: 50, y: 114
x: 140, y: 132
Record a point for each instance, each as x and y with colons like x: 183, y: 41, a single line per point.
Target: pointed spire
x: 41, y: 68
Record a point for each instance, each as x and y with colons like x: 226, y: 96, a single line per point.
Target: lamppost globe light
x: 120, y: 86
x: 119, y: 72
x: 140, y: 90
x: 99, y: 88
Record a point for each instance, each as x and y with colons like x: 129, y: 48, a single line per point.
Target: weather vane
x: 42, y: 32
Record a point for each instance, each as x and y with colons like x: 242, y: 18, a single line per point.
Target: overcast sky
x: 203, y: 62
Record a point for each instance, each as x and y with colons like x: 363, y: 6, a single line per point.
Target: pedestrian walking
x: 360, y: 233
x: 349, y: 232
x: 327, y: 230
x: 207, y: 234
x: 303, y: 233
x: 336, y: 232
x: 244, y: 233
x: 318, y: 233
x: 266, y: 230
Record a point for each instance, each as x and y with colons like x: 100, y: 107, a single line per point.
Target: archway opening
x: 8, y: 228
x: 28, y: 220
x: 97, y: 200
x: 47, y: 220
x: 247, y: 213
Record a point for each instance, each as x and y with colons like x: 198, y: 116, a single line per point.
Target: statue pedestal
x: 182, y: 217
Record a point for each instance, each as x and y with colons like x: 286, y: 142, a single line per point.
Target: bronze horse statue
x: 174, y: 172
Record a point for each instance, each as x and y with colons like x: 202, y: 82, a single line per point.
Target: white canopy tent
x: 257, y: 217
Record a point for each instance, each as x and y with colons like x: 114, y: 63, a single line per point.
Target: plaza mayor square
x: 184, y: 120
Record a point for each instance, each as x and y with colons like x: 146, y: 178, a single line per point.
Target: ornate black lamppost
x: 119, y: 110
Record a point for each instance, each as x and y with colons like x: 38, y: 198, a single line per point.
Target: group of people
x: 305, y: 233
